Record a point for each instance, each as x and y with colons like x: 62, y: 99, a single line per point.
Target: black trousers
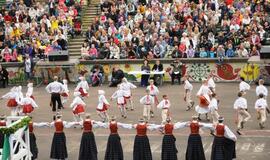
x: 176, y: 76
x: 55, y: 97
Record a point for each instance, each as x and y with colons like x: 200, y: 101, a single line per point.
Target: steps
x: 88, y: 15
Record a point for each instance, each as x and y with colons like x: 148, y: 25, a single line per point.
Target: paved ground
x: 253, y: 145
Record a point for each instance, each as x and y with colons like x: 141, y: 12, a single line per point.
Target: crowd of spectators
x: 178, y: 29
x: 37, y: 28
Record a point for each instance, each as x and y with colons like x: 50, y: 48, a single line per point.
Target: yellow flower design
x: 106, y: 69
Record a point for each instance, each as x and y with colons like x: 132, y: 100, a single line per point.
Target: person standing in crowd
x: 164, y: 105
x: 188, y: 89
x: 78, y: 107
x: 204, y: 97
x: 82, y: 87
x: 260, y: 106
x: 103, y: 106
x: 28, y: 104
x: 224, y: 142
x: 243, y: 86
x: 12, y: 103
x: 158, y: 67
x: 28, y: 67
x: 3, y: 77
x: 145, y: 68
x: 141, y: 149
x: 117, y: 76
x: 121, y: 102
x: 153, y: 92
x: 126, y: 87
x: 147, y: 101
x: 2, y: 124
x: 65, y: 93
x: 176, y: 71
x: 261, y: 89
x: 213, y: 106
x: 88, y: 147
x: 242, y: 115
x: 55, y: 88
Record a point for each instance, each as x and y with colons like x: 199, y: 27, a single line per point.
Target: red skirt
x: 83, y: 94
x: 12, y: 103
x: 203, y: 102
x: 79, y: 109
x: 125, y: 102
x: 27, y: 108
x: 64, y: 94
x: 105, y: 108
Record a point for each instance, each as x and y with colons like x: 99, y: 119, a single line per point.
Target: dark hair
x: 164, y: 96
x: 261, y: 95
x: 240, y: 94
x: 214, y: 94
x: 242, y: 78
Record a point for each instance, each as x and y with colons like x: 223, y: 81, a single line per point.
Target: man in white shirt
x: 242, y: 116
x: 213, y: 106
x: 261, y: 89
x: 243, y: 86
x: 188, y: 88
x: 55, y: 88
x: 164, y: 105
x: 147, y: 102
x: 260, y: 106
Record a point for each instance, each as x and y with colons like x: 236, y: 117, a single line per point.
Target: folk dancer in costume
x: 12, y: 103
x: 2, y: 124
x: 188, y: 89
x: 261, y: 89
x: 78, y: 107
x: 18, y: 99
x: 55, y: 88
x: 147, y: 101
x: 127, y: 86
x: 260, y: 106
x: 141, y: 149
x: 114, y: 149
x: 243, y: 86
x: 224, y: 142
x: 102, y: 106
x: 242, y: 115
x: 121, y: 102
x: 153, y: 92
x: 65, y: 93
x: 82, y: 87
x: 28, y: 104
x: 213, y: 106
x: 58, y: 147
x: 211, y: 83
x: 164, y: 105
x: 30, y: 90
x: 204, y: 96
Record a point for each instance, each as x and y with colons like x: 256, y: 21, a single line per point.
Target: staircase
x: 88, y: 15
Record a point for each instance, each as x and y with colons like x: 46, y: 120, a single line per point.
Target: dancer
x: 260, y: 106
x: 12, y: 103
x: 243, y: 86
x: 153, y: 92
x: 213, y: 106
x: 141, y: 149
x: 102, y: 106
x: 164, y: 105
x: 30, y: 90
x: 28, y: 104
x: 242, y: 115
x: 58, y: 147
x: 65, y: 93
x: 82, y: 87
x: 224, y: 142
x: 194, y: 148
x: 211, y: 83
x: 188, y: 88
x: 77, y: 106
x: 121, y: 102
x: 147, y: 101
x: 2, y: 124
x: 88, y: 147
x: 261, y: 89
x: 114, y: 149
x: 127, y: 86
x: 203, y: 95
x: 55, y: 88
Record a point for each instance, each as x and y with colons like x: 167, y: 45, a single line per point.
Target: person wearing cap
x: 102, y: 106
x: 261, y: 89
x: 82, y: 87
x: 260, y: 106
x: 121, y: 102
x: 55, y: 88
x: 211, y: 83
x: 2, y: 124
x: 78, y: 107
x: 147, y: 101
x: 213, y: 106
x: 224, y: 142
x: 204, y: 97
x: 164, y: 105
x: 242, y: 115
x: 12, y: 103
x: 127, y: 87
x: 30, y: 89
x: 153, y: 92
x: 141, y: 148
x: 176, y: 71
x: 88, y: 147
x: 188, y: 89
x: 243, y: 86
x: 65, y: 93
x: 28, y: 104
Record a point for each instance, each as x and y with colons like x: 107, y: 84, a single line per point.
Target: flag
x: 6, y: 148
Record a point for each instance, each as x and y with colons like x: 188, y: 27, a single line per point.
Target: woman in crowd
x: 145, y: 68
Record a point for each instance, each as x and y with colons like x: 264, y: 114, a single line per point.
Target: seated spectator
x: 220, y: 53
x: 254, y: 51
x: 97, y: 73
x: 190, y: 52
x: 6, y: 54
x: 117, y: 76
x: 93, y: 53
x: 114, y: 51
x: 85, y: 51
x: 242, y: 51
x: 158, y: 67
x: 56, y: 46
x: 77, y: 27
x: 203, y: 53
x: 230, y: 51
x: 176, y: 71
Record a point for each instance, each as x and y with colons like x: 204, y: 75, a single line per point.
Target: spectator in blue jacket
x: 203, y: 53
x: 230, y: 51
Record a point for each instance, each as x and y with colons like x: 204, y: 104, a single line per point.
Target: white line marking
x: 245, y: 146
x: 259, y: 148
x: 129, y: 146
x: 102, y: 147
x: 154, y: 146
x: 209, y: 148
